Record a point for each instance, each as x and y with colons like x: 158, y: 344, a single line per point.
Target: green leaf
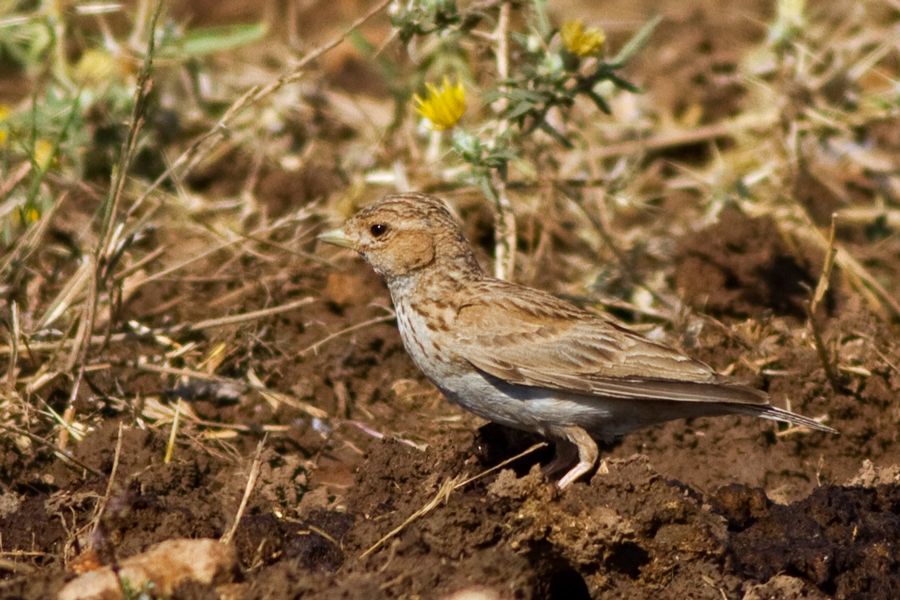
x: 599, y: 101
x: 209, y: 40
x: 637, y: 41
x: 625, y: 85
x: 519, y: 110
x: 486, y: 188
x: 552, y: 132
x: 519, y: 95
x: 539, y: 15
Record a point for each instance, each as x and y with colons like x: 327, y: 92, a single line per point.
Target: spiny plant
x: 540, y: 72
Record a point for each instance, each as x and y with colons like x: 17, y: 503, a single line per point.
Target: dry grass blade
x: 14, y: 334
x: 107, y: 235
x: 498, y: 466
x: 173, y: 433
x: 71, y: 291
x: 825, y: 277
x: 798, y: 224
x: 248, y: 489
x: 305, y: 407
x: 674, y: 139
x: 103, y: 250
x: 68, y: 460
x: 244, y: 317
x: 315, y: 347
x: 16, y: 567
x: 31, y: 241
x: 826, y: 358
x: 101, y: 505
x: 443, y: 493
x: 209, y: 140
x: 865, y: 281
x: 35, y: 347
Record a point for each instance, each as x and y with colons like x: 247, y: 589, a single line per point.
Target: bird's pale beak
x: 336, y: 237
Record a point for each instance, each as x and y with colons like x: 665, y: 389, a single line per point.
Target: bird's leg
x: 587, y: 453
x: 566, y: 454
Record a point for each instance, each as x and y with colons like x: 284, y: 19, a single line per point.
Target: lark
x: 522, y: 357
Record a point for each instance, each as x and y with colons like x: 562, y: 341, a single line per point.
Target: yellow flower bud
x: 43, y: 153
x: 5, y: 111
x: 581, y: 41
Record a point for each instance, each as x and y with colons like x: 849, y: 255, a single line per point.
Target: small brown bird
x: 522, y: 357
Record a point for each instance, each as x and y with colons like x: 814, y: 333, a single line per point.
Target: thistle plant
x: 540, y: 70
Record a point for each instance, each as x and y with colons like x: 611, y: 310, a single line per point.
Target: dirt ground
x: 371, y: 485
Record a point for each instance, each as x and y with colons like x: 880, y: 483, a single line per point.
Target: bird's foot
x: 580, y: 440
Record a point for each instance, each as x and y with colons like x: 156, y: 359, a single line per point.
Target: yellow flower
x: 32, y: 215
x: 443, y: 106
x: 43, y: 153
x: 95, y: 67
x: 24, y: 216
x: 4, y: 114
x: 580, y: 41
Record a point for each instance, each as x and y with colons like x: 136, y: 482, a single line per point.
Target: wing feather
x: 544, y: 341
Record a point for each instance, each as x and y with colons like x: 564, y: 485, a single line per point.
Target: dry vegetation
x: 181, y: 360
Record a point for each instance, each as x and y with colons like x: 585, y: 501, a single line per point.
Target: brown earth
x: 360, y: 442
x: 706, y: 508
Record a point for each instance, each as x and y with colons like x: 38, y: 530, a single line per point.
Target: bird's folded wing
x: 549, y: 343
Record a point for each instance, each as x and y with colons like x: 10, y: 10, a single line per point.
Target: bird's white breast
x: 516, y: 406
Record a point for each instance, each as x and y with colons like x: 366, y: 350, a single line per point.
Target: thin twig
x: 827, y: 266
x: 69, y: 460
x: 209, y: 140
x: 369, y: 430
x: 173, y: 433
x: 449, y: 485
x: 139, y: 264
x: 600, y: 224
x: 688, y: 137
x: 34, y: 347
x: 244, y: 317
x: 101, y: 505
x: 442, y: 494
x: 825, y: 357
x: 183, y: 327
x: 16, y: 567
x: 504, y: 218
x: 309, y: 409
x: 11, y: 367
x: 105, y: 242
x: 315, y: 347
x: 248, y: 489
x: 796, y: 222
x: 502, y: 464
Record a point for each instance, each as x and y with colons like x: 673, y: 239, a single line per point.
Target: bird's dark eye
x: 378, y: 229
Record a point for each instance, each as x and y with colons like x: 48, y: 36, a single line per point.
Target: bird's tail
x: 780, y: 414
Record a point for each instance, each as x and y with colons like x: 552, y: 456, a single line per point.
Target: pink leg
x: 587, y: 453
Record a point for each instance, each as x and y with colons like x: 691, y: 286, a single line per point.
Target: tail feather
x: 779, y: 414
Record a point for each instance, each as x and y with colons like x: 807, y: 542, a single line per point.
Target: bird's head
x: 404, y: 233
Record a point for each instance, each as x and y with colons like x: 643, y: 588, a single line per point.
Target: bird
x: 522, y: 357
